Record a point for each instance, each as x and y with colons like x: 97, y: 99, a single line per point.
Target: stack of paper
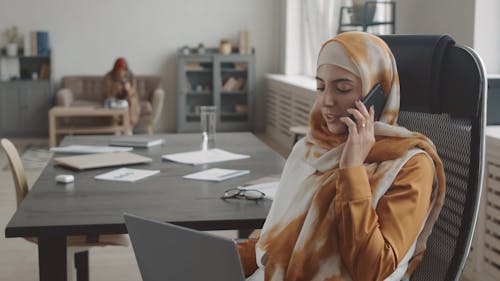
x: 137, y: 141
x: 88, y: 149
x: 126, y: 174
x: 204, y: 156
x: 216, y: 174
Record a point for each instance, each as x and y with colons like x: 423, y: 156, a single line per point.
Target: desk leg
x: 52, y: 130
x: 52, y: 257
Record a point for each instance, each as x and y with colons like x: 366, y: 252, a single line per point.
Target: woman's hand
x: 361, y: 136
x: 128, y: 86
x: 117, y: 88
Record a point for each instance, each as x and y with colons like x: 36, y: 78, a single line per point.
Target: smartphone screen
x: 376, y: 98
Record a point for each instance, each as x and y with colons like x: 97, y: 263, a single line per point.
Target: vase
x: 225, y: 48
x: 11, y: 49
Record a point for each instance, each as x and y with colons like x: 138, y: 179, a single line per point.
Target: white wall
x: 454, y: 17
x: 474, y: 23
x: 86, y: 36
x: 487, y: 34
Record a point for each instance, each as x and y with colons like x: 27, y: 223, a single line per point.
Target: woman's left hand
x: 127, y: 86
x: 361, y: 137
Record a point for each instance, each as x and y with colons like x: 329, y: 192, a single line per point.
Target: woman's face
x: 122, y: 75
x: 338, y: 89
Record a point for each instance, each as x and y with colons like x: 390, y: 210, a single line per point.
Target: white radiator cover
x: 484, y: 258
x: 288, y: 102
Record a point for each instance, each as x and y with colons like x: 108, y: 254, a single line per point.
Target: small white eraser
x: 65, y: 178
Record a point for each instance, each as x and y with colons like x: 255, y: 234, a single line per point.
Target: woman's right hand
x: 361, y: 136
x: 117, y: 88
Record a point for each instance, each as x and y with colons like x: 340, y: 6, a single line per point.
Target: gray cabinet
x: 24, y: 107
x: 226, y: 81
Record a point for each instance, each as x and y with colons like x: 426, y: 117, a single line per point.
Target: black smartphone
x: 376, y: 98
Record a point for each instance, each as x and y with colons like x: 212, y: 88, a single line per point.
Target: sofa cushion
x: 146, y: 108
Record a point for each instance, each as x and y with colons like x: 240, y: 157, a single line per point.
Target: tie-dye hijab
x: 288, y: 247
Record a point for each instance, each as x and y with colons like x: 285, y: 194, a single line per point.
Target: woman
x: 119, y: 84
x: 357, y: 198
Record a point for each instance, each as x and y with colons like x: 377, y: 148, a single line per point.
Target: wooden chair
x: 78, y: 246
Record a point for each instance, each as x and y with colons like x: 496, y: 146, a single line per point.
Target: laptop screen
x: 168, y: 252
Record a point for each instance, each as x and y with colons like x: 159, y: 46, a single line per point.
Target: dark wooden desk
x: 54, y: 211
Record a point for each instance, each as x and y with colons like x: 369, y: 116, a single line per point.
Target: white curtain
x: 319, y: 20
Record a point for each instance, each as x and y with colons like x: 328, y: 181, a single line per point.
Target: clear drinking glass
x: 208, y: 116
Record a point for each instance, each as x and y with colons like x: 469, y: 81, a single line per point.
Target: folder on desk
x: 100, y: 160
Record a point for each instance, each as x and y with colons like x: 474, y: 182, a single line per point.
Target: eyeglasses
x: 240, y: 193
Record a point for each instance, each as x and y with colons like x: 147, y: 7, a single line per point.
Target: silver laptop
x: 168, y: 252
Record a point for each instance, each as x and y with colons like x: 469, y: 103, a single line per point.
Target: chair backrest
x: 91, y: 87
x: 443, y: 93
x: 16, y: 167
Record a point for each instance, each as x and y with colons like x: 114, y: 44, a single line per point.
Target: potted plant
x: 11, y: 34
x: 201, y: 48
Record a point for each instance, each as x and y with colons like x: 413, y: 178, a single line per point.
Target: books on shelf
x: 193, y: 66
x: 233, y: 84
x: 36, y: 43
x: 42, y: 43
x: 136, y: 141
x: 44, y: 71
x: 216, y: 174
x: 126, y: 174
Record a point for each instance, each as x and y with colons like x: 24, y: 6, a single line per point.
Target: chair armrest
x: 157, y: 103
x: 246, y: 250
x: 64, y: 97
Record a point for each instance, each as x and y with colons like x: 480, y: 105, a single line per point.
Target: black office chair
x: 443, y: 94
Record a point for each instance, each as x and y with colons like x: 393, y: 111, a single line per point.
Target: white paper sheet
x: 88, y: 149
x: 126, y: 174
x: 216, y: 174
x: 268, y: 188
x: 204, y: 156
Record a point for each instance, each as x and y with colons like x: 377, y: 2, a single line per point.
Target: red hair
x: 120, y: 63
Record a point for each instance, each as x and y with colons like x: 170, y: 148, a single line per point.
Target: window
x: 309, y: 23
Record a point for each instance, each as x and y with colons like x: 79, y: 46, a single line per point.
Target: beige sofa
x: 88, y: 90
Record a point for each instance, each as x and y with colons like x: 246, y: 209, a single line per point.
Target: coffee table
x: 86, y: 111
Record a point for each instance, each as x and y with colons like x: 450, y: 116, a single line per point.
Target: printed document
x: 216, y: 174
x: 126, y: 174
x: 204, y: 156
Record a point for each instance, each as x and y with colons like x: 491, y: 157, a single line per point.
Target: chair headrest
x: 420, y: 61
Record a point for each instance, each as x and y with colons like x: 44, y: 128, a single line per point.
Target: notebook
x: 204, y: 156
x: 168, y: 252
x: 126, y: 174
x: 216, y: 174
x: 100, y: 160
x: 137, y: 141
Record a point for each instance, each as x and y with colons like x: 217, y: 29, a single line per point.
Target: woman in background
x: 358, y: 197
x: 120, y: 85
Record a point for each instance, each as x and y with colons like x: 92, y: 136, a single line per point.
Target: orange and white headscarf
x: 289, y: 236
